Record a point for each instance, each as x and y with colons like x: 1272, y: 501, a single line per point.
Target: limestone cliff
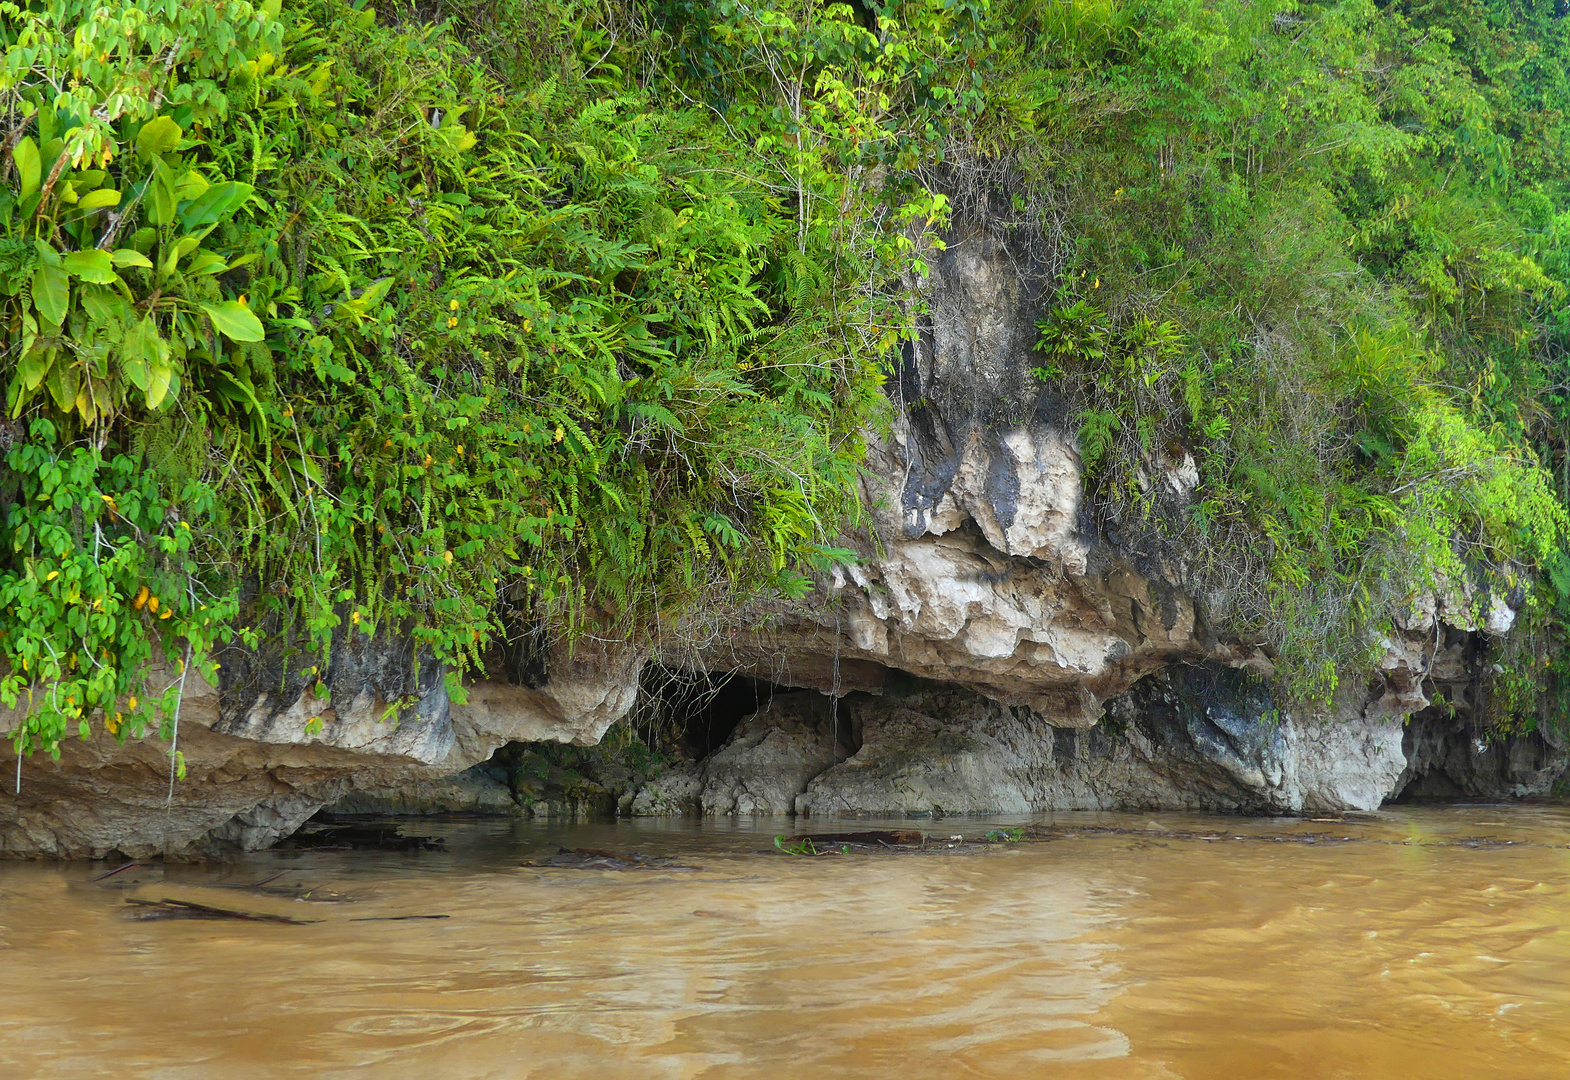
x: 990, y: 651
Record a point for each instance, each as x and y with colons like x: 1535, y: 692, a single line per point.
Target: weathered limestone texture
x: 1192, y: 738
x: 479, y: 789
x: 981, y: 567
x: 258, y: 765
x: 765, y: 765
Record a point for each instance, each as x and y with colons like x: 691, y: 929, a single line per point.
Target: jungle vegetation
x: 480, y: 319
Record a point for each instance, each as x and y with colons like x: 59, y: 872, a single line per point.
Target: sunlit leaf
x: 96, y: 200
x: 51, y: 285
x: 235, y: 321
x: 28, y: 166
x: 159, y: 135
x: 91, y: 265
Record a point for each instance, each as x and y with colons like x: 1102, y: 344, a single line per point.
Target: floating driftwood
x: 158, y: 910
x: 128, y: 875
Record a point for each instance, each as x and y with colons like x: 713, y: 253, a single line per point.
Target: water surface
x: 1413, y: 943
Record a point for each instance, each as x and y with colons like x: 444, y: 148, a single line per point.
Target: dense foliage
x: 1321, y: 249
x: 488, y: 320
x: 441, y: 321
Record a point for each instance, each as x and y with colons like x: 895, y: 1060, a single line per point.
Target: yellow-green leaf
x: 160, y: 194
x: 235, y: 321
x: 129, y: 257
x: 158, y: 136
x: 97, y: 200
x: 158, y: 378
x: 28, y: 166
x: 34, y: 366
x: 62, y: 384
x: 51, y: 285
x: 190, y: 186
x: 91, y: 265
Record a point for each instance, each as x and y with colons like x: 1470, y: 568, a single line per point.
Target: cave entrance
x: 691, y: 713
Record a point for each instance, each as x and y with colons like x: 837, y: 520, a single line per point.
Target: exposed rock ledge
x: 258, y: 765
x: 1192, y: 738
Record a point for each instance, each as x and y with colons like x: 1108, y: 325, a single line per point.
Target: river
x: 1412, y: 943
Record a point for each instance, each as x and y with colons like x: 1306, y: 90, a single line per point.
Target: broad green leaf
x: 128, y: 257
x: 191, y: 185
x: 160, y: 194
x: 28, y: 166
x: 159, y: 376
x: 34, y: 366
x: 177, y: 251
x: 207, y: 262
x: 51, y: 285
x: 374, y: 292
x: 158, y: 136
x: 235, y: 321
x: 91, y: 265
x: 96, y: 200
x: 214, y: 204
x: 62, y: 382
x: 134, y: 351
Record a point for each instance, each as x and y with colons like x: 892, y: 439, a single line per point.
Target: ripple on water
x: 1428, y: 944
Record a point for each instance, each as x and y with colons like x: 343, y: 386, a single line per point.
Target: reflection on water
x: 1412, y: 943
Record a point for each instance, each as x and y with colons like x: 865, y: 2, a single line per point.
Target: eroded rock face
x: 764, y: 766
x: 261, y: 761
x: 1448, y: 757
x: 1193, y: 738
x: 479, y: 789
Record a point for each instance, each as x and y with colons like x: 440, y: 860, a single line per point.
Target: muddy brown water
x: 1412, y: 943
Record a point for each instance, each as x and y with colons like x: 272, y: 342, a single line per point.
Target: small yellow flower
x: 131, y: 702
x: 165, y: 613
x: 452, y: 305
x: 451, y: 323
x: 152, y: 603
x: 560, y: 434
x: 141, y: 599
x: 51, y: 575
x: 447, y: 555
x: 355, y: 618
